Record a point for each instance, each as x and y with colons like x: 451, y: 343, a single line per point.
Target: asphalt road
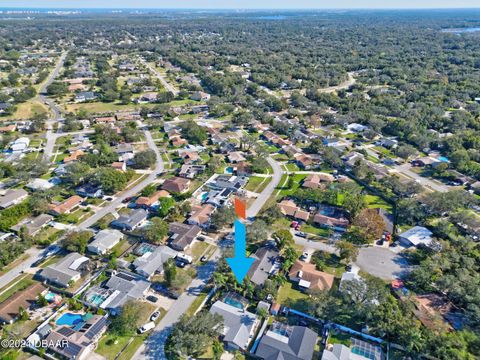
x: 405, y: 169
x: 162, y: 79
x: 257, y: 205
x: 153, y: 347
x: 57, y: 115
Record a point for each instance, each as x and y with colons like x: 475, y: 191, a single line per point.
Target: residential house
x: 387, y: 143
x: 236, y: 157
x: 150, y: 201
x: 189, y: 157
x: 33, y: 225
x: 178, y: 141
x: 189, y: 171
x: 243, y: 169
x: 355, y: 352
x: 67, y: 206
x: 283, y: 342
x: 66, y: 271
x: 233, y: 183
x: 303, y: 161
x: 104, y: 241
x: 89, y: 191
x: 176, y: 185
x: 200, y: 96
x: 239, y: 325
x: 218, y: 198
x: 84, y: 96
x: 267, y: 263
x: 8, y: 128
x: 107, y: 120
x: 426, y: 161
x: 308, y: 277
x: 39, y: 184
x: 23, y: 299
x: 289, y: 208
x: 356, y: 128
x: 119, y: 165
x: 12, y: 197
x: 148, y: 97
x: 332, y: 217
x: 124, y: 148
x: 73, y: 156
x: 200, y: 215
x: 122, y: 286
x: 416, y: 236
x: 131, y: 221
x: 314, y: 181
x: 77, y: 342
x: 182, y: 235
x: 20, y: 145
x: 151, y: 263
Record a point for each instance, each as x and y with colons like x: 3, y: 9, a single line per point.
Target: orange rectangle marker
x: 240, y: 208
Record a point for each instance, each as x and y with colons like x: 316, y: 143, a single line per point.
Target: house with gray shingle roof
x: 284, y: 342
x: 104, y: 241
x: 67, y: 270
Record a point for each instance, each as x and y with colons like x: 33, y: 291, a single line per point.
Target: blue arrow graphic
x: 240, y: 263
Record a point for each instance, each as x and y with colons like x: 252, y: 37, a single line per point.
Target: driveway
x: 382, y: 262
x: 433, y: 185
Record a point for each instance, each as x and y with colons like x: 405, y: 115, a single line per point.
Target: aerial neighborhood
x: 126, y: 147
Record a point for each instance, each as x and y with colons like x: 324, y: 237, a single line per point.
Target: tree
x: 289, y: 256
x: 57, y: 88
x: 354, y: 202
x: 259, y: 165
x: 192, y: 335
x: 145, y: 159
x: 109, y: 179
x: 165, y: 205
x: 283, y: 237
x: 257, y: 231
x: 223, y: 217
x: 347, y: 250
x: 76, y: 173
x: 193, y: 132
x: 156, y: 231
x: 129, y: 319
x: 76, y: 241
x: 170, y: 271
x: 370, y: 223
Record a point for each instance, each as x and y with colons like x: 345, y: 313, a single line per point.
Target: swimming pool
x: 443, y: 159
x: 204, y: 196
x: 233, y: 302
x: 229, y: 170
x: 69, y: 319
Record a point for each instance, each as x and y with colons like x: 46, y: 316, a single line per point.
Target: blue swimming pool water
x: 50, y: 296
x: 69, y: 319
x: 229, y: 170
x: 233, y: 302
x: 204, y: 196
x: 443, y: 159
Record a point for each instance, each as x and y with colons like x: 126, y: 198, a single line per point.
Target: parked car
x: 152, y: 298
x: 301, y: 234
x: 201, y: 238
x: 180, y: 264
x: 294, y: 224
x: 147, y: 327
x: 204, y: 258
x: 155, y: 316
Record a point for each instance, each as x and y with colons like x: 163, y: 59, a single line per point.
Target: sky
x: 242, y: 4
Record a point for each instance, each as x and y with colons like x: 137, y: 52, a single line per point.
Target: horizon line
x: 36, y: 7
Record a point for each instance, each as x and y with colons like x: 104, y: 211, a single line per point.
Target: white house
x: 416, y: 236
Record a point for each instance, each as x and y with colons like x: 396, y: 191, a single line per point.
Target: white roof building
x: 416, y: 236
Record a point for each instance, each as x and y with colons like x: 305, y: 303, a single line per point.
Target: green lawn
x: 374, y: 201
x: 291, y: 297
x: 297, y: 180
x: 291, y: 166
x: 20, y: 285
x: 198, y: 249
x: 196, y: 303
x: 316, y: 230
x: 254, y: 182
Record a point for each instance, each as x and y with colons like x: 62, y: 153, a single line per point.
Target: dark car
x: 204, y: 258
x: 201, y: 238
x: 152, y: 298
x: 180, y: 264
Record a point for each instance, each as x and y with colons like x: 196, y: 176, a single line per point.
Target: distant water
x: 271, y: 17
x: 462, y: 30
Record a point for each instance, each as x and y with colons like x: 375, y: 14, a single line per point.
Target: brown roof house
x: 73, y: 156
x: 9, y: 309
x: 200, y: 215
x: 148, y: 201
x: 308, y: 277
x: 304, y: 161
x: 331, y: 217
x: 289, y: 208
x: 314, y: 181
x: 176, y: 185
x: 67, y: 206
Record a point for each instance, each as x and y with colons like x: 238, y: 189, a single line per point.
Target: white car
x: 155, y: 316
x: 147, y: 327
